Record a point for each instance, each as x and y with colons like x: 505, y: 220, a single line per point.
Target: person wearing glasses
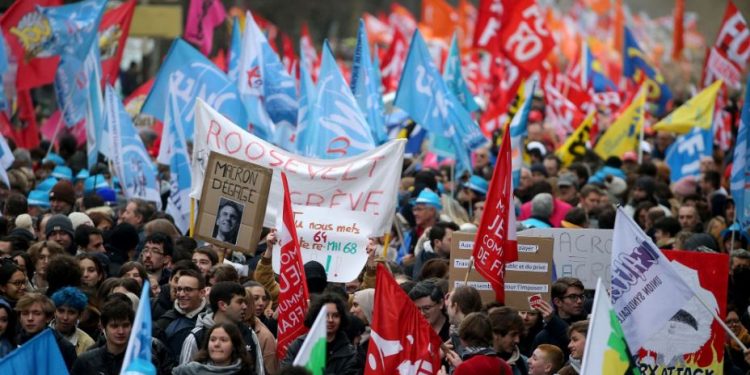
x: 430, y: 301
x: 175, y: 325
x: 568, y: 300
x: 157, y: 255
x: 13, y: 281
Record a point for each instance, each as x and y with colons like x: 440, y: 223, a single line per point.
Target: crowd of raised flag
x: 488, y: 119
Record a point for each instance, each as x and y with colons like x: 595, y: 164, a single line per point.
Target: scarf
x: 575, y: 364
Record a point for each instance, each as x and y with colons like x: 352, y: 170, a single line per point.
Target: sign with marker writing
x: 336, y: 239
x: 233, y: 203
x: 581, y: 253
x: 529, y: 276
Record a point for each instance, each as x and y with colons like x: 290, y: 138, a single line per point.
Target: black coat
x: 341, y: 356
x: 98, y: 361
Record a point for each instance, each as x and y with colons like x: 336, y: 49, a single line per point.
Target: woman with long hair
x: 41, y: 253
x: 222, y: 352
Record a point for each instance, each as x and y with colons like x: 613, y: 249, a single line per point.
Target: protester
x: 577, y: 334
x: 479, y: 357
x: 7, y: 328
x: 341, y: 358
x: 546, y: 360
x: 69, y: 305
x: 568, y: 299
x: 35, y: 311
x: 228, y: 302
x: 507, y: 327
x: 13, y: 281
x: 41, y: 253
x: 175, y: 325
x: 459, y: 303
x: 429, y: 299
x: 222, y: 353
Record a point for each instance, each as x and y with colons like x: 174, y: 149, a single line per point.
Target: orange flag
x: 679, y: 29
x: 440, y: 17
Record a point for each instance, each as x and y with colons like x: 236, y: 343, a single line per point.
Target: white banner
x: 581, y: 253
x: 334, y: 238
x: 366, y: 183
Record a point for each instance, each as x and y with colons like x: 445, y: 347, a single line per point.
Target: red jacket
x: 483, y: 364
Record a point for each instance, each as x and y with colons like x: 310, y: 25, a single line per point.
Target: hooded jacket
x: 205, y: 322
x: 175, y: 325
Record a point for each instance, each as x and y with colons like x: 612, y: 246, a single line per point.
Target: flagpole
x: 386, y: 244
x: 191, y: 225
x: 468, y: 270
x: 54, y: 136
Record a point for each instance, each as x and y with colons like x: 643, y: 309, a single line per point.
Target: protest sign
x: 366, y: 183
x: 334, y: 238
x: 581, y: 253
x: 529, y: 276
x: 692, y: 342
x: 233, y: 203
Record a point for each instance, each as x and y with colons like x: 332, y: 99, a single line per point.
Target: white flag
x: 646, y: 290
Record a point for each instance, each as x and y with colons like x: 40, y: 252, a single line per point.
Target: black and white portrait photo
x: 228, y: 219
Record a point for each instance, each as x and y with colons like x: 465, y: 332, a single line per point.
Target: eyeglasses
x: 18, y: 283
x: 732, y: 321
x: 152, y: 251
x: 575, y: 297
x: 426, y: 308
x: 185, y: 289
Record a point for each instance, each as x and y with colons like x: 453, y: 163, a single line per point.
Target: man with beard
x: 157, y: 255
x: 69, y: 304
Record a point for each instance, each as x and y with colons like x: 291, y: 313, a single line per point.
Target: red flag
x: 731, y: 51
x: 489, y: 22
x: 113, y: 32
x: 679, y: 29
x: 307, y: 50
x: 401, y: 340
x: 28, y: 34
x: 292, y: 284
x: 508, y: 77
x: 393, y: 61
x: 27, y: 136
x: 402, y: 20
x: 526, y: 41
x: 495, y: 244
x: 289, y: 57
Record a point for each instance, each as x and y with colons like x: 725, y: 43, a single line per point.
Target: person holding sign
x: 228, y: 221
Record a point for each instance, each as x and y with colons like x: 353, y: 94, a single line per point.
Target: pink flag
x: 203, y: 17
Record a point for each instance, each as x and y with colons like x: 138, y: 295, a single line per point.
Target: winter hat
x: 317, y: 280
x: 63, y: 190
x: 615, y: 185
x: 59, y: 222
x: 79, y: 218
x: 46, y: 185
x: 38, y: 198
x: 366, y: 300
x: 699, y: 240
x: 24, y: 221
x: 62, y: 172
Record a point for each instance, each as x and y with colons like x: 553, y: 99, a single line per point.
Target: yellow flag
x: 622, y: 136
x: 698, y: 112
x: 577, y: 143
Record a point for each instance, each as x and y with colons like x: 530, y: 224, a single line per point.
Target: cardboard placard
x: 528, y: 277
x: 581, y: 253
x: 233, y: 203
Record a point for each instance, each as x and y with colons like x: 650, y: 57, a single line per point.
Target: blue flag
x: 3, y: 68
x: 684, y: 155
x: 134, y: 167
x: 518, y: 131
x: 366, y: 87
x: 97, y: 134
x: 137, y: 359
x: 6, y: 159
x: 39, y: 356
x: 423, y: 94
x: 341, y: 129
x: 306, y: 123
x: 740, y: 179
x: 173, y: 152
x: 634, y: 63
x: 268, y: 91
x: 594, y: 74
x: 235, y: 51
x: 455, y: 79
x: 191, y: 75
x: 74, y: 28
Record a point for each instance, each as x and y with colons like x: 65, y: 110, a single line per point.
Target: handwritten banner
x: 366, y: 183
x: 336, y: 239
x: 233, y: 203
x: 581, y: 253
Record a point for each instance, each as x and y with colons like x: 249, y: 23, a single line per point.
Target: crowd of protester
x: 74, y: 255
